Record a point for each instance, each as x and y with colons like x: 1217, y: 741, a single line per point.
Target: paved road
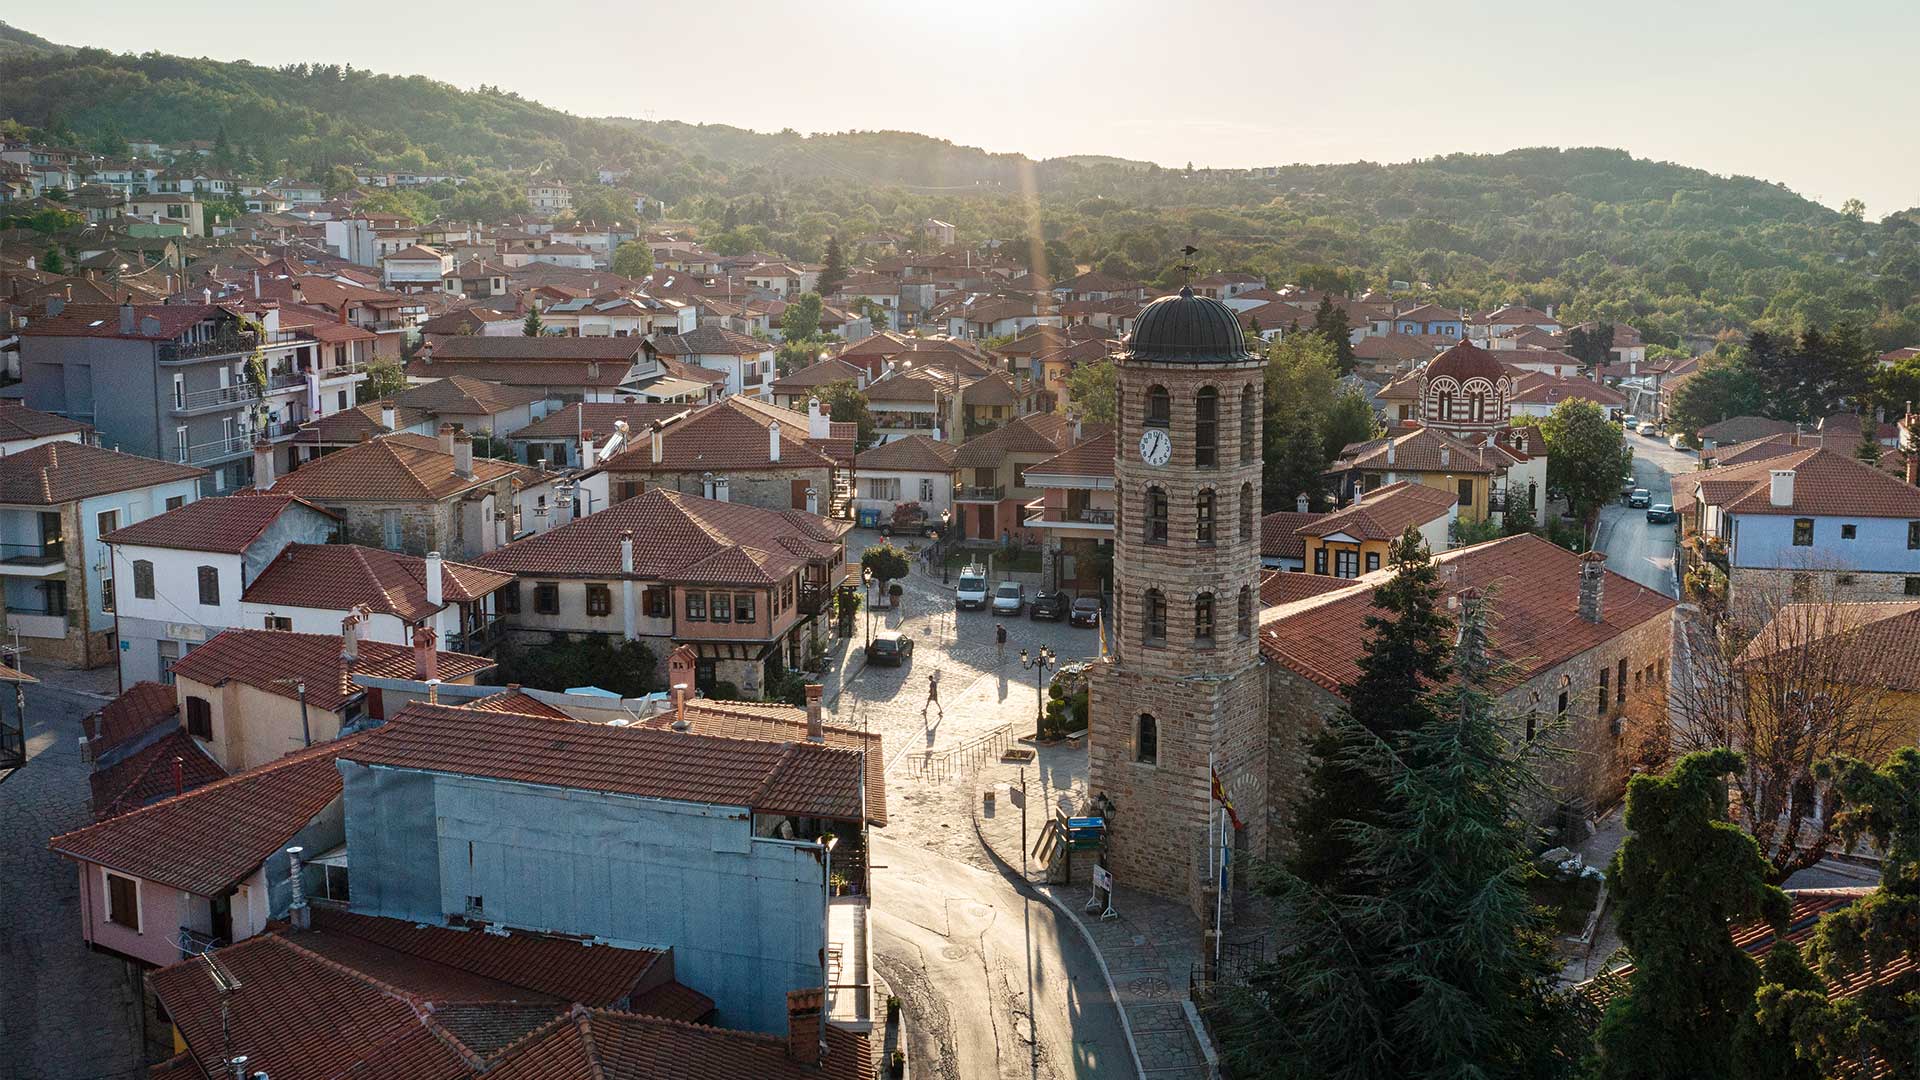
x: 68, y: 1014
x: 950, y: 932
x: 1635, y: 548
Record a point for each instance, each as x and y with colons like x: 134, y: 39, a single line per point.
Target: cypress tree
x: 1406, y: 653
x: 1681, y: 879
x: 835, y: 269
x: 532, y: 327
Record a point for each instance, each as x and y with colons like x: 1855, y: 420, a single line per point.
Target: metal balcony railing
x: 1066, y: 515
x: 33, y: 554
x: 201, y: 453
x: 242, y: 342
x: 980, y: 492
x: 217, y: 397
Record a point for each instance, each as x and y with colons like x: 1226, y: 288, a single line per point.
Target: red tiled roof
x: 1038, y: 433
x: 782, y: 724
x: 19, y: 422
x: 673, y: 534
x: 462, y: 396
x: 392, y: 469
x: 915, y: 453
x: 1384, y: 513
x: 61, y: 472
x: 1285, y: 586
x: 598, y: 417
x: 799, y: 778
x: 103, y: 321
x: 275, y: 660
x: 1881, y: 640
x: 229, y: 525
x: 527, y: 372
x: 1465, y: 361
x: 1090, y: 457
x: 339, y: 577
x: 729, y: 434
x: 1420, y: 450
x: 1536, y: 388
x: 135, y: 712
x: 615, y: 351
x: 206, y: 840
x: 1825, y: 483
x: 516, y: 701
x: 148, y: 774
x: 596, y: 1044
x: 1538, y: 624
x: 1278, y: 536
x: 710, y: 341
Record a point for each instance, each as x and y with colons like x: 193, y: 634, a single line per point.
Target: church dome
x: 1187, y: 329
x: 1466, y: 361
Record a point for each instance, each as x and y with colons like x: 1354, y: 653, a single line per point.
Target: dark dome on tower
x: 1464, y: 361
x: 1187, y: 329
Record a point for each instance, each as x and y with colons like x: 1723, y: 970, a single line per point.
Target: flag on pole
x: 1220, y: 796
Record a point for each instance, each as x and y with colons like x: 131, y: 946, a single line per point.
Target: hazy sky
x: 1819, y: 96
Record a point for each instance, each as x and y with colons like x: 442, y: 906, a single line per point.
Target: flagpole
x: 1220, y: 894
x: 1212, y: 871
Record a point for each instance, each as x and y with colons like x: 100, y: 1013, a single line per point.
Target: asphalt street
x: 1635, y: 548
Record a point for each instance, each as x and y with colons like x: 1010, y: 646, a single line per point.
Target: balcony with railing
x: 219, y: 397
x: 1041, y: 516
x: 47, y: 559
x: 216, y: 450
x: 175, y: 352
x: 480, y: 640
x: 813, y: 597
x: 979, y: 493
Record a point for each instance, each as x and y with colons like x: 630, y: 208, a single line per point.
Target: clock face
x: 1156, y: 448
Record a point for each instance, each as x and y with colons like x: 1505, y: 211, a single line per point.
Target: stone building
x: 1206, y: 679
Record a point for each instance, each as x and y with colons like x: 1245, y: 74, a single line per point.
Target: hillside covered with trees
x: 1672, y: 250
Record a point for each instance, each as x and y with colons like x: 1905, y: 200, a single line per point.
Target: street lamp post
x: 1041, y: 660
x: 946, y: 522
x: 866, y: 580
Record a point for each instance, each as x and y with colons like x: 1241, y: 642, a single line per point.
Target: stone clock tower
x: 1182, y: 683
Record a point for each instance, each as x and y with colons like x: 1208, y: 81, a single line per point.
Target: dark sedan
x: 890, y: 648
x: 1049, y: 605
x: 1086, y: 611
x: 1660, y: 514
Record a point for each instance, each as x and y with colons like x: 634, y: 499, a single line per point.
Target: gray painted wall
x: 743, y: 916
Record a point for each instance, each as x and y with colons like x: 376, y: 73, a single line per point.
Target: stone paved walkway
x: 1147, y: 951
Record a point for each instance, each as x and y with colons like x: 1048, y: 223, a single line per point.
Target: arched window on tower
x: 1159, y: 407
x: 1246, y: 612
x: 1246, y: 511
x: 1146, y: 740
x: 1446, y: 406
x: 1206, y: 428
x: 1156, y: 515
x: 1153, y: 621
x: 1203, y: 506
x: 1249, y: 429
x: 1203, y: 619
x: 1477, y: 406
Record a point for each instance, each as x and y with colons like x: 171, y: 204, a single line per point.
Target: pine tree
x: 532, y: 327
x: 835, y: 270
x: 1681, y: 879
x: 1406, y: 653
x: 1330, y: 322
x: 1869, y: 448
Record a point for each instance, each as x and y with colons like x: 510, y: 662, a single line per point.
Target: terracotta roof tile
x: 1825, y: 483
x: 460, y: 395
x: 1038, y: 433
x: 598, y: 417
x: 1286, y: 586
x: 516, y: 701
x: 349, y: 426
x: 1090, y: 457
x: 1384, y: 513
x: 1881, y: 639
x: 799, y: 778
x: 823, y: 373
x: 103, y: 321
x: 1279, y: 538
x: 595, y: 1044
x: 268, y: 659
x: 206, y: 840
x: 710, y: 341
x: 392, y: 469
x: 1423, y: 450
x: 729, y: 434
x: 915, y: 453
x: 229, y: 525
x: 133, y: 713
x: 19, y: 422
x: 340, y: 577
x: 61, y: 472
x: 148, y: 774
x: 672, y: 532
x: 1538, y: 626
x: 783, y: 724
x: 613, y: 351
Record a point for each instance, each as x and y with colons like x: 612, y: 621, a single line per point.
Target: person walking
x: 1000, y: 642
x: 933, y: 696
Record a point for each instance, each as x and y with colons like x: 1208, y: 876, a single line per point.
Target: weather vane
x: 1187, y: 269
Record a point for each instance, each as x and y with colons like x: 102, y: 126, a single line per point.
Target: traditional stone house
x: 1075, y: 514
x: 991, y: 488
x: 736, y: 450
x: 1353, y: 541
x: 916, y: 469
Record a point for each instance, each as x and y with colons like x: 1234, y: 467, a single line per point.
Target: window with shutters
x: 199, y: 717
x: 743, y: 607
x: 546, y: 598
x: 599, y: 601
x: 123, y: 901
x: 143, y: 579
x: 209, y: 586
x: 696, y: 607
x: 507, y: 600
x: 719, y: 607
x: 659, y: 604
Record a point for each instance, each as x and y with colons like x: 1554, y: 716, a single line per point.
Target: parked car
x: 890, y: 648
x: 1639, y: 499
x: 1086, y: 611
x: 1626, y: 488
x: 972, y: 590
x: 1647, y: 428
x: 1050, y: 605
x: 1009, y: 598
x: 1629, y: 419
x: 1678, y: 440
x: 1660, y: 514
x: 910, y: 524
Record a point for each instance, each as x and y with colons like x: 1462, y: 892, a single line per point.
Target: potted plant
x: 898, y: 1066
x: 893, y: 1008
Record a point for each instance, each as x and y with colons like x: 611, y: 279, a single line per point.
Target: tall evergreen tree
x: 1409, y: 639
x: 835, y: 270
x: 532, y: 327
x: 1330, y: 322
x: 1683, y: 876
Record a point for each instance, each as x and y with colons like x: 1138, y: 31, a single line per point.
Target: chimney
x: 297, y: 911
x: 626, y: 551
x: 819, y: 424
x: 262, y: 465
x: 586, y: 449
x: 1446, y: 456
x: 659, y: 444
x: 426, y: 657
x: 350, y: 639
x: 1780, y: 492
x: 463, y: 455
x: 435, y: 595
x: 389, y: 416
x: 773, y: 442
x: 1593, y: 579
x: 126, y: 316
x: 446, y: 438
x: 1301, y: 503
x: 804, y: 1035
x: 1389, y: 450
x: 816, y: 732
x: 256, y: 284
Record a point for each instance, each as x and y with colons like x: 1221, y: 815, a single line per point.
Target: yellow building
x: 1354, y: 541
